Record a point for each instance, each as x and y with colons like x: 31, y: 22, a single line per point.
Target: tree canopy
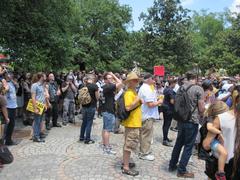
x: 53, y: 35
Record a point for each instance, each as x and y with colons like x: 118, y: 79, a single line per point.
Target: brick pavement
x: 63, y: 157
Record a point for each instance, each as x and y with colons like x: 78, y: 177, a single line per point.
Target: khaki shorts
x: 131, y: 139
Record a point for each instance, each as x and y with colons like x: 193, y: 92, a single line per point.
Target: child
x: 214, y: 139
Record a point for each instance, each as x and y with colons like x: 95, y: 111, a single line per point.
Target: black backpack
x: 121, y: 111
x: 182, y: 106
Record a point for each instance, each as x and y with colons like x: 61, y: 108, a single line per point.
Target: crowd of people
x: 214, y: 103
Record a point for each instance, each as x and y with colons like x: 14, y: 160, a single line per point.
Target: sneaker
x: 166, y: 143
x: 130, y: 172
x: 89, y: 142
x: 64, y: 123
x: 220, y: 176
x: 109, y: 151
x: 185, y: 175
x: 39, y: 140
x: 148, y: 157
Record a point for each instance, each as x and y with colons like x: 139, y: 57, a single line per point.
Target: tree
x: 225, y: 52
x: 205, y: 31
x: 100, y: 33
x: 37, y: 33
x: 166, y: 39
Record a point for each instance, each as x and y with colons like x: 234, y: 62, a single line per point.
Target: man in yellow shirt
x: 132, y: 124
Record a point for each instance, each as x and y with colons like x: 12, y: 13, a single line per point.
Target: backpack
x: 84, y: 97
x: 121, y: 111
x: 182, y: 106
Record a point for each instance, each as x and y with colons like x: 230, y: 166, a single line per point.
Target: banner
x: 159, y: 70
x: 40, y: 107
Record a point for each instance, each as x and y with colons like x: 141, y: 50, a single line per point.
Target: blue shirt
x: 11, y: 96
x: 38, y: 89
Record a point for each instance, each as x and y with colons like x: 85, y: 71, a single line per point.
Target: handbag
x: 6, y: 156
x: 211, y: 166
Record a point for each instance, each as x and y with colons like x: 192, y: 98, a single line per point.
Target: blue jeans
x: 37, y: 125
x: 86, y: 128
x: 187, y: 133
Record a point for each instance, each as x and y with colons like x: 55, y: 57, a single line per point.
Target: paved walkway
x: 62, y: 157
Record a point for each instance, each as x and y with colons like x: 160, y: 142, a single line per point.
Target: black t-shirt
x: 92, y: 88
x: 108, y: 95
x: 168, y: 95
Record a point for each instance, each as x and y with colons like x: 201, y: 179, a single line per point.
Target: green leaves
x: 37, y: 33
x: 216, y: 41
x: 101, y: 35
x: 52, y: 35
x: 166, y: 36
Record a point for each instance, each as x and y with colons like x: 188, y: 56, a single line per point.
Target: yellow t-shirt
x: 135, y: 118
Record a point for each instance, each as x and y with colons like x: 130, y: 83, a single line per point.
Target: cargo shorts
x: 131, y: 139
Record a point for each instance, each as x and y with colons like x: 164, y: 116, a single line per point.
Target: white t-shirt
x: 148, y: 95
x: 228, y: 128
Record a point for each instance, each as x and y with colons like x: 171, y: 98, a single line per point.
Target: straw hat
x: 217, y: 108
x: 132, y: 76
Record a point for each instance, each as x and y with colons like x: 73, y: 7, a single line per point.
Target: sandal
x: 131, y: 165
x: 130, y: 172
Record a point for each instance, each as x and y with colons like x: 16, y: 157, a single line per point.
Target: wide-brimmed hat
x: 217, y: 108
x: 132, y: 76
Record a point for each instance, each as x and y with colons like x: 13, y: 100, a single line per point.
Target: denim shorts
x: 108, y: 121
x: 214, y: 145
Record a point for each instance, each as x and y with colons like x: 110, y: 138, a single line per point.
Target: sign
x: 40, y: 107
x: 159, y: 70
x: 2, y: 56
